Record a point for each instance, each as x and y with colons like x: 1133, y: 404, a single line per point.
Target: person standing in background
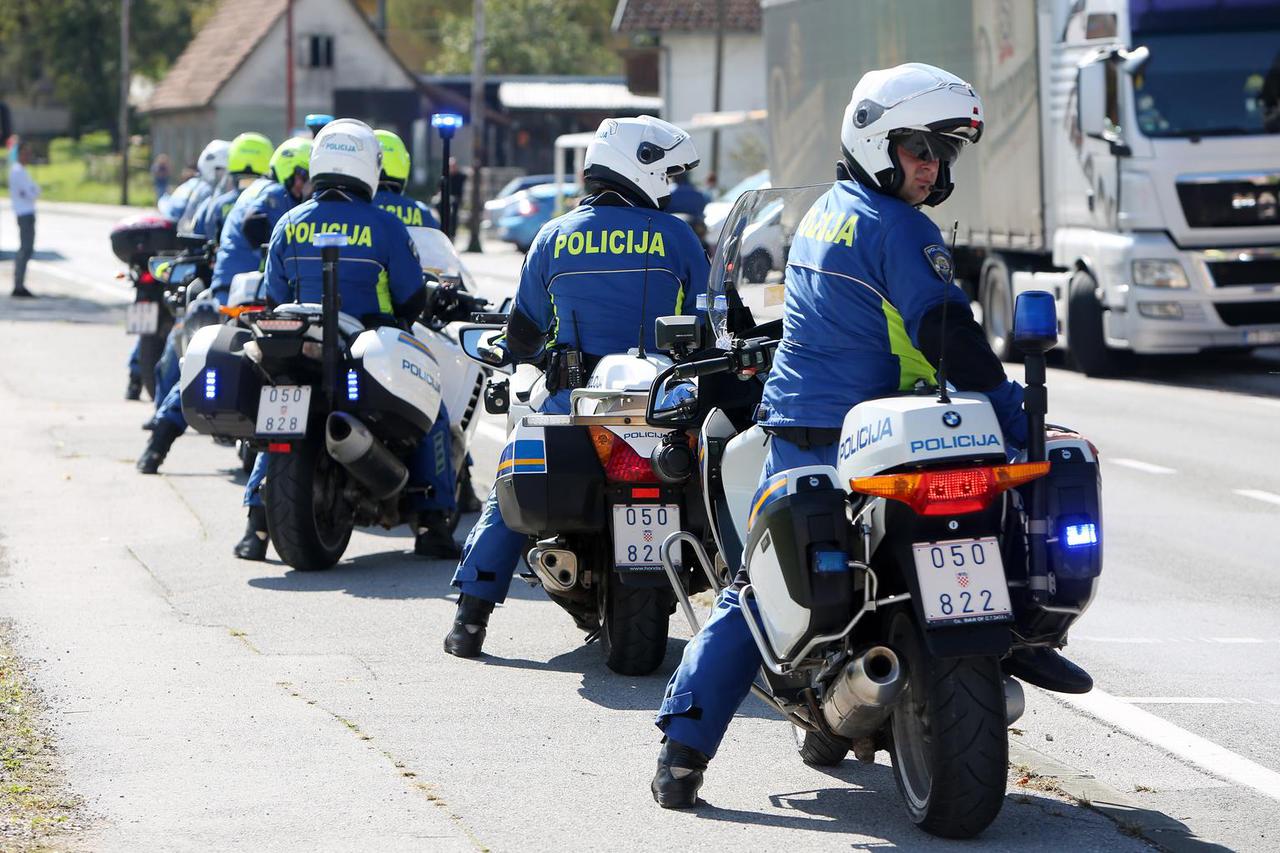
x: 22, y: 195
x: 160, y: 175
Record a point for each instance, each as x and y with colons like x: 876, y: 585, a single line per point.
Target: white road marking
x: 120, y: 292
x: 1144, y: 725
x: 1185, y: 700
x: 1157, y: 640
x: 1145, y: 467
x: 1259, y: 495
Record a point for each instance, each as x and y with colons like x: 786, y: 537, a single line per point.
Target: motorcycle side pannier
x: 550, y: 481
x: 220, y: 388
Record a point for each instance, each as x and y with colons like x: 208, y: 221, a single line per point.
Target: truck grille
x: 1238, y: 273
x: 1248, y: 313
x: 1230, y: 204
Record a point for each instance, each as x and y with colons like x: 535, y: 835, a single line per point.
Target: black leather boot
x: 433, y: 538
x: 1047, y: 668
x: 133, y: 391
x: 469, y: 624
x: 162, y: 437
x: 679, y: 776
x: 254, y: 544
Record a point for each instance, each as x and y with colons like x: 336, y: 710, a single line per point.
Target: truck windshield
x: 1209, y: 84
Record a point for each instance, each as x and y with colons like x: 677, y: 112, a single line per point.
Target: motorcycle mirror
x: 160, y: 268
x: 672, y: 405
x: 1035, y: 322
x: 476, y: 340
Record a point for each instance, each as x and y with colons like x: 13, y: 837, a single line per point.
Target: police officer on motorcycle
x: 863, y: 318
x: 284, y: 182
x: 432, y: 464
x: 614, y: 263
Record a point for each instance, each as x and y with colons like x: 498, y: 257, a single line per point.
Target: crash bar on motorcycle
x: 668, y: 566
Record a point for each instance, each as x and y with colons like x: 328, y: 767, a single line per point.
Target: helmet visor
x: 924, y: 145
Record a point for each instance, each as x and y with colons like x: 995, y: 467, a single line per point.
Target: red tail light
x: 146, y: 278
x: 950, y: 492
x: 621, y: 462
x: 279, y: 447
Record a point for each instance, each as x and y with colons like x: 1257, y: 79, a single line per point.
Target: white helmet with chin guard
x: 212, y: 163
x: 346, y: 154
x: 931, y: 112
x: 640, y: 155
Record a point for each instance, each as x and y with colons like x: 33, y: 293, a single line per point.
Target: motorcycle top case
x: 550, y: 480
x: 137, y: 238
x: 799, y: 544
x: 220, y: 388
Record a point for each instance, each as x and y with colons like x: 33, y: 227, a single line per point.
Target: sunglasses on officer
x: 927, y: 146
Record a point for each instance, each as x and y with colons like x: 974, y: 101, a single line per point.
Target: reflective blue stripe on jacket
x: 235, y: 253
x: 584, y: 279
x: 411, y: 212
x: 862, y: 272
x: 378, y: 268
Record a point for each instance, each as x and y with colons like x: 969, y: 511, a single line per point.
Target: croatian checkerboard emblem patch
x: 940, y: 261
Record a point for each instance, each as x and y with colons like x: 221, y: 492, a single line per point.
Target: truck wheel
x: 309, y: 521
x: 818, y: 750
x: 1086, y: 342
x: 633, y: 626
x: 995, y: 294
x: 950, y: 746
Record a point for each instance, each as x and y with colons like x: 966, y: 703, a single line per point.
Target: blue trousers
x: 493, y: 550
x: 431, y: 465
x: 722, y: 659
x: 168, y: 368
x: 135, y: 363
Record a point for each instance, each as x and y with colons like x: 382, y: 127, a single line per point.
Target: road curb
x: 1160, y: 829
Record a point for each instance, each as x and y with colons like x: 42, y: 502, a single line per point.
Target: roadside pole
x: 288, y: 70
x: 124, y: 102
x: 477, y: 126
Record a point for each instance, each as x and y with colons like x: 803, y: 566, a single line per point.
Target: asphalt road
x: 201, y: 702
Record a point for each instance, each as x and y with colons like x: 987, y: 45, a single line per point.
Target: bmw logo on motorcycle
x: 951, y: 419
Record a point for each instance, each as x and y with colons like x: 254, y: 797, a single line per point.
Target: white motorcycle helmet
x: 346, y: 154
x: 639, y: 155
x: 212, y: 163
x: 931, y: 112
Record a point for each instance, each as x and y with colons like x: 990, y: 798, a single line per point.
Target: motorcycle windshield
x: 748, y: 268
x: 437, y: 256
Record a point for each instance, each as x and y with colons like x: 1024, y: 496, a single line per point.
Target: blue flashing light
x: 329, y: 238
x: 701, y: 302
x: 830, y: 562
x: 353, y: 386
x: 446, y: 121
x: 1035, y: 319
x: 210, y: 384
x: 1080, y: 535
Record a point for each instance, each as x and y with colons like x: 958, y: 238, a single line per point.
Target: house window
x: 317, y: 52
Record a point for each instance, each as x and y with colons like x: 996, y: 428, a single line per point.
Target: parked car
x: 715, y: 213
x: 494, y: 206
x: 528, y: 210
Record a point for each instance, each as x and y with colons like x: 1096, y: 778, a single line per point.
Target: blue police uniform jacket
x: 177, y: 202
x: 414, y: 214
x: 265, y: 196
x: 209, y: 219
x: 584, y: 280
x: 686, y: 199
x: 378, y: 269
x: 863, y: 270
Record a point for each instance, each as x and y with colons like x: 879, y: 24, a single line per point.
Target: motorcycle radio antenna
x: 943, y: 397
x: 644, y: 289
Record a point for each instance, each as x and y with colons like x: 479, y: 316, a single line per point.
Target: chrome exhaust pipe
x: 366, y: 458
x: 862, y: 696
x: 1015, y: 700
x: 557, y: 568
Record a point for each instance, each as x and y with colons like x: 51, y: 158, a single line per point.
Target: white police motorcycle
x: 883, y: 592
x: 340, y: 407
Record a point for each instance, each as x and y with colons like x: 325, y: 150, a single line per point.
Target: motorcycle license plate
x: 282, y: 410
x: 962, y: 581
x: 638, y: 533
x: 142, y: 318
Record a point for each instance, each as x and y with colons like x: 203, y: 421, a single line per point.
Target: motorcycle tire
x: 633, y: 627
x: 248, y: 456
x: 309, y: 522
x: 949, y: 740
x: 150, y: 348
x: 818, y: 750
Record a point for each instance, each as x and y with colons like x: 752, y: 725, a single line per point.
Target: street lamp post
x: 446, y: 124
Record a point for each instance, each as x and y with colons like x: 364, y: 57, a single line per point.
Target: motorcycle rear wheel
x: 633, y: 626
x: 818, y: 750
x: 309, y: 521
x: 950, y: 744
